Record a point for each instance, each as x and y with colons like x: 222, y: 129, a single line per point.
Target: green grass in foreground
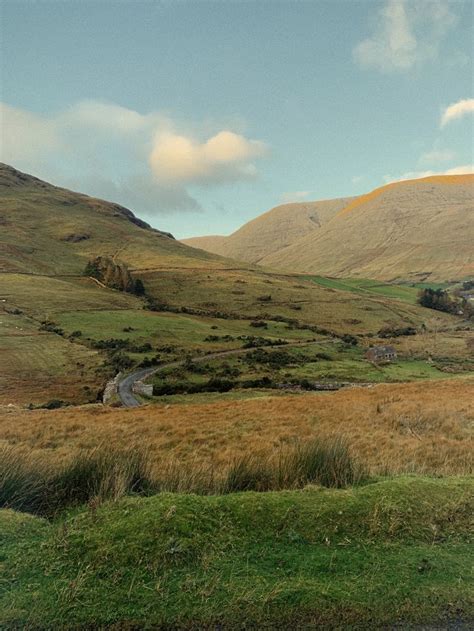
x: 393, y: 551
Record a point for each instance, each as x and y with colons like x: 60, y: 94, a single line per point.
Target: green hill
x: 391, y: 554
x: 58, y: 311
x: 417, y: 230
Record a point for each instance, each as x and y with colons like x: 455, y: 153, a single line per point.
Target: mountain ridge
x: 409, y: 230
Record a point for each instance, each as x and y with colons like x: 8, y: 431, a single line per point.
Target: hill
x: 271, y: 232
x: 64, y: 331
x: 393, y: 554
x: 414, y: 230
x: 51, y: 230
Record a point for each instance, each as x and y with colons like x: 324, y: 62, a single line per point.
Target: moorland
x: 241, y: 491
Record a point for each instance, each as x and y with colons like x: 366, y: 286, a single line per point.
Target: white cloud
x: 457, y: 110
x: 25, y: 136
x: 295, y: 196
x: 139, y: 159
x: 437, y: 155
x: 415, y: 175
x: 357, y: 179
x: 225, y: 156
x: 405, y: 35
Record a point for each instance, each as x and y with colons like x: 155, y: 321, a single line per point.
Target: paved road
x: 125, y: 386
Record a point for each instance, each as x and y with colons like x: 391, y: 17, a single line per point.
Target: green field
x: 365, y: 286
x: 395, y: 552
x: 34, y: 364
x: 161, y: 328
x: 318, y: 362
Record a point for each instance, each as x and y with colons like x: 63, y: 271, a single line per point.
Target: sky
x: 199, y: 116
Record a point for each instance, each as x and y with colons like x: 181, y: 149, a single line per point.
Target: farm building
x: 381, y: 353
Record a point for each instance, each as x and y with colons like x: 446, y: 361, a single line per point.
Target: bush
x: 51, y: 327
x: 119, y: 361
x: 140, y: 348
x: 250, y: 341
x: 275, y: 359
x: 324, y: 356
x: 150, y: 361
x: 394, y: 332
x: 350, y: 340
x: 112, y: 343
x: 53, y: 404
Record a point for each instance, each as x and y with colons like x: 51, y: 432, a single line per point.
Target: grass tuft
x: 28, y: 485
x: 327, y: 462
x: 103, y: 474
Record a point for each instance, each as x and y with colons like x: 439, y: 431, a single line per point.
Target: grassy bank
x: 392, y: 551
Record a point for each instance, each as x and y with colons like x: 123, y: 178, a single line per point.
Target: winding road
x: 125, y: 385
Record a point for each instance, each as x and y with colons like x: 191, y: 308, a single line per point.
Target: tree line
x: 114, y: 275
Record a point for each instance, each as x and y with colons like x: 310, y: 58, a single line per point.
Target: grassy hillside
x: 49, y: 230
x: 48, y: 236
x: 382, y: 236
x: 376, y: 236
x: 272, y: 231
x: 393, y: 552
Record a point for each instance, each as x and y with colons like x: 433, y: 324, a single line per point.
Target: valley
x: 262, y: 390
x: 236, y: 315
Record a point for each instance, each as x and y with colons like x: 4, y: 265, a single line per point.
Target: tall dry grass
x: 30, y: 485
x: 424, y: 427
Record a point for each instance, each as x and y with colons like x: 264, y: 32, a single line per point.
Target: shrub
x: 324, y: 356
x: 259, y: 324
x: 53, y: 404
x: 150, y: 361
x: 51, y: 327
x: 350, y: 340
x: 112, y: 343
x: 119, y: 361
x: 396, y: 332
x: 140, y: 348
x: 275, y: 359
x: 250, y: 341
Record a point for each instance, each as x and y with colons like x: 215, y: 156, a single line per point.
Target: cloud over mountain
x: 112, y: 151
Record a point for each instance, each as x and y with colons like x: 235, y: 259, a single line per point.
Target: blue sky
x: 201, y: 115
